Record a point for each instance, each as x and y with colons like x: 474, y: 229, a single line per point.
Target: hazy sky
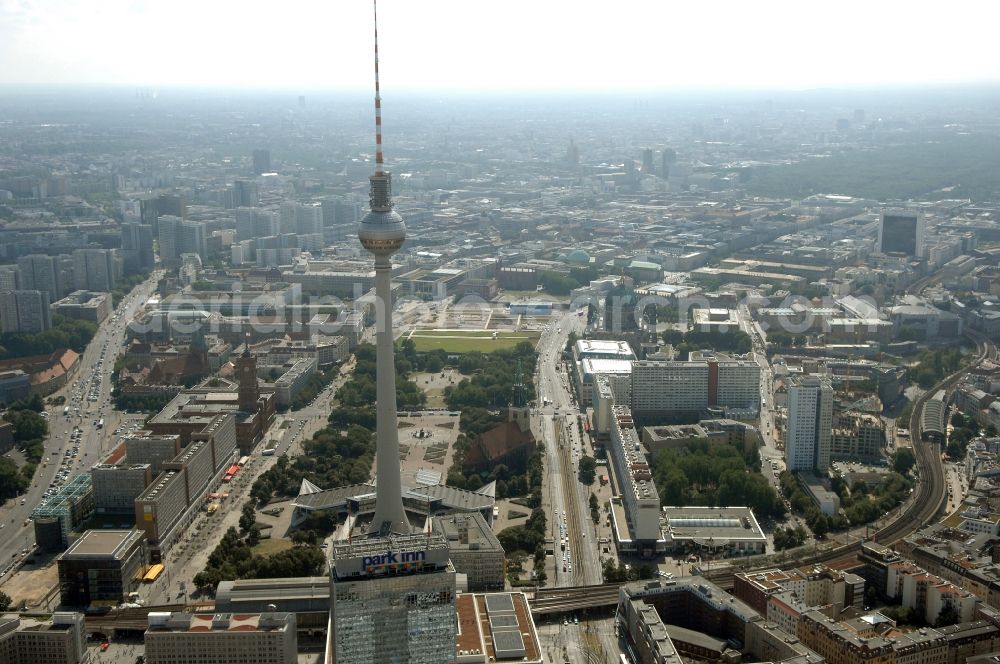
x: 503, y: 44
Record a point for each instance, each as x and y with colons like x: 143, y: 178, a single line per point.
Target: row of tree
x: 64, y: 333
x: 733, y: 340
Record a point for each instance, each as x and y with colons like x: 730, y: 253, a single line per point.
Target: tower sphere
x: 381, y: 231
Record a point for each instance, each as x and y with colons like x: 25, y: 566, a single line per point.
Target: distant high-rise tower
x: 261, y: 162
x: 647, y: 162
x: 669, y: 158
x: 901, y: 233
x: 392, y: 591
x: 572, y: 154
x: 810, y: 424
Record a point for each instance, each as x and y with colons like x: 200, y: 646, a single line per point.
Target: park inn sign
x: 390, y: 558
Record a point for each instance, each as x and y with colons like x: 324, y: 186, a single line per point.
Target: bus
x: 154, y: 572
x: 100, y: 423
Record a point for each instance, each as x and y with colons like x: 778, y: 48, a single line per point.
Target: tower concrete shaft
x: 389, y: 513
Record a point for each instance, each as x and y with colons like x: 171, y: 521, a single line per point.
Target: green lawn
x: 272, y: 545
x: 469, y: 341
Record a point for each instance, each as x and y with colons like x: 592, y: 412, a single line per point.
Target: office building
x: 116, y: 486
x: 901, y: 233
x: 95, y: 269
x: 101, y: 568
x: 636, y: 520
x: 59, y: 639
x: 145, y: 447
x: 42, y: 273
x: 137, y: 247
x: 389, y: 582
x: 24, y: 312
x: 84, y: 305
x: 474, y: 550
x: 400, y: 585
x: 221, y: 638
x: 261, y: 162
x: 809, y: 425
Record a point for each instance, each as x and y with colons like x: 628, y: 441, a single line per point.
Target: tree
x: 5, y: 601
x: 903, y: 460
x: 248, y: 518
x: 948, y: 616
x: 587, y: 469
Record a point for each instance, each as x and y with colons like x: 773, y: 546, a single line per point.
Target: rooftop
x: 103, y: 543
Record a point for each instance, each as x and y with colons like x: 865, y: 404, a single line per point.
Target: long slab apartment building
x: 716, y: 383
x: 635, y: 513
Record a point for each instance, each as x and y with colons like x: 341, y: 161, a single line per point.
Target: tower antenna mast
x: 378, y: 102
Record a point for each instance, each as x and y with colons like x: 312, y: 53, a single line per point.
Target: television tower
x: 382, y: 233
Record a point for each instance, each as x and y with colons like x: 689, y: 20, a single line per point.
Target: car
x: 105, y: 646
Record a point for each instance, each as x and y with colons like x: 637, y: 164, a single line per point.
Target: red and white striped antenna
x: 378, y: 101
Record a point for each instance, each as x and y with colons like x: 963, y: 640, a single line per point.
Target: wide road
x: 92, y: 380
x: 564, y: 494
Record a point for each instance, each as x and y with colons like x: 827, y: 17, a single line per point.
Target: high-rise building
x: 392, y: 599
x: 137, y: 247
x: 647, y: 162
x: 392, y: 592
x: 151, y: 209
x: 95, y: 269
x: 169, y: 239
x: 178, y: 237
x: 901, y: 233
x: 10, y: 277
x: 253, y: 223
x: 810, y: 424
x: 42, y: 273
x: 669, y: 158
x: 245, y: 193
x: 194, y: 238
x: 261, y: 162
x: 24, y: 312
x: 309, y: 219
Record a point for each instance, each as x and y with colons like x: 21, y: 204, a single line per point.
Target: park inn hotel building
x: 392, y: 599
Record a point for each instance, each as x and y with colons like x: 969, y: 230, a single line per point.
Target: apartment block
x: 196, y: 638
x: 24, y: 312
